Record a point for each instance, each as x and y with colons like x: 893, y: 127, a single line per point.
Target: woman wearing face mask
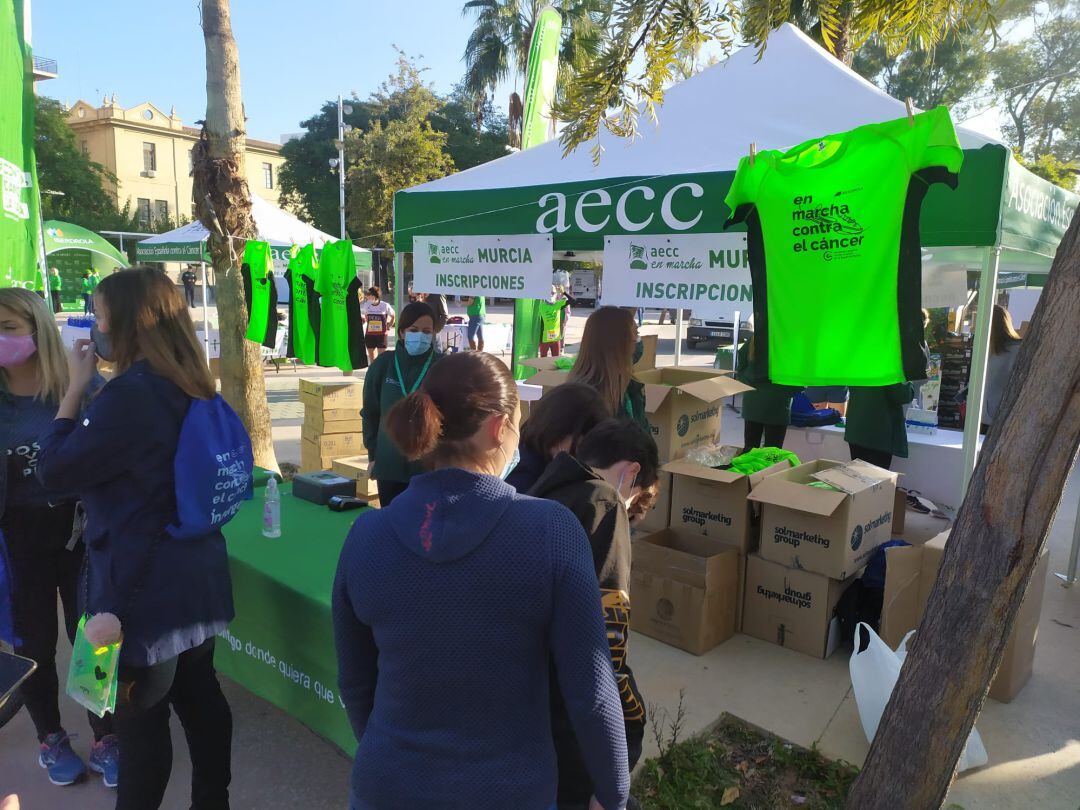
x: 605, y: 361
x: 171, y: 597
x: 44, y: 549
x: 616, y: 462
x: 451, y: 683
x: 393, y: 376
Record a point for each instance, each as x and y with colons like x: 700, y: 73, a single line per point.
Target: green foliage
x: 1050, y: 167
x: 1037, y: 80
x: 403, y: 152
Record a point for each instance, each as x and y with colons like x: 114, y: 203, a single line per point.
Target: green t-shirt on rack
x: 302, y: 274
x: 833, y: 242
x: 260, y: 266
x: 337, y: 271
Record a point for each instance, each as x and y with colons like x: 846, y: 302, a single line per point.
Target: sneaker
x: 105, y: 759
x: 56, y: 757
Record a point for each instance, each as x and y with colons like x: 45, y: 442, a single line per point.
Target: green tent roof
x: 66, y: 236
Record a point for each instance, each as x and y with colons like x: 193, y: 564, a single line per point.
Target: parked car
x: 719, y: 331
x: 583, y: 286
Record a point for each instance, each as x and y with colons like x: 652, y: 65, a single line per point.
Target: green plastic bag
x: 92, y: 675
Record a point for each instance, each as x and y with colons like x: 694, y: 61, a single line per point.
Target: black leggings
x: 189, y: 684
x: 753, y: 432
x: 388, y: 490
x: 41, y: 568
x: 880, y: 458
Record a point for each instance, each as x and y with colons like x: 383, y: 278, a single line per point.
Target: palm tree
x: 498, y: 47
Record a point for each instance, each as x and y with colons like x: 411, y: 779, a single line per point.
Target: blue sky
x: 293, y: 55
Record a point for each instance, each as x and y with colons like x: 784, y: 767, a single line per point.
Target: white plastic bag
x: 874, y: 673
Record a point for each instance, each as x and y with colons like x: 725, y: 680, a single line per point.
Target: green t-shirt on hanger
x: 337, y: 271
x: 833, y: 242
x: 302, y: 274
x: 260, y: 266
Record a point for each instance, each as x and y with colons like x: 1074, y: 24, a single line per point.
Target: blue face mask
x: 417, y: 343
x: 511, y: 464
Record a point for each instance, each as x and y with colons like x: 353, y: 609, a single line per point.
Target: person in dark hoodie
x: 555, y: 425
x: 616, y: 462
x: 447, y: 690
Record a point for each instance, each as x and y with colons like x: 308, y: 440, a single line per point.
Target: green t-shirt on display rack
x: 833, y: 243
x: 260, y: 270
x: 302, y: 274
x: 341, y: 322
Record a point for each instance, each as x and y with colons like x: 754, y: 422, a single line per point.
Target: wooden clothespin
x: 753, y: 152
x: 910, y: 111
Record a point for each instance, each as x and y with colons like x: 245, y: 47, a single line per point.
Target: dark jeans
x: 754, y: 431
x: 41, y: 568
x: 189, y: 684
x: 388, y: 490
x: 879, y: 458
x: 189, y: 293
x: 57, y: 304
x: 575, y: 784
x: 87, y: 304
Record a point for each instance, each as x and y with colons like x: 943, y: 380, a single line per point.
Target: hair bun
x: 414, y: 425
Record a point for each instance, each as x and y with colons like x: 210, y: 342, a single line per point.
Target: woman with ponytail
x: 389, y: 379
x: 447, y: 604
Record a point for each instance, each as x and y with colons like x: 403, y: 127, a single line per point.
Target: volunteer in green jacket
x: 876, y: 430
x: 87, y: 291
x: 389, y: 380
x: 766, y: 411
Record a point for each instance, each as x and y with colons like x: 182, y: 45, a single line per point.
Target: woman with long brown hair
x: 37, y: 525
x: 1004, y: 348
x: 172, y: 597
x: 605, y: 361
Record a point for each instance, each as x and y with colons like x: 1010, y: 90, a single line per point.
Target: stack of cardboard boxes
x: 815, y: 540
x: 332, y: 427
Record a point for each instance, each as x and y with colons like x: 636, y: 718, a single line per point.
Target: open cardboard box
x: 648, y: 354
x: 910, y: 573
x: 821, y: 530
x: 683, y: 589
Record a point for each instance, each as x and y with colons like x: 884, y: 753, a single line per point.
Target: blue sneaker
x: 56, y: 757
x: 105, y: 759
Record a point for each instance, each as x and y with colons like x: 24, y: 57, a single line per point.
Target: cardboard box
x: 335, y: 420
x: 311, y: 460
x: 826, y: 531
x: 332, y: 394
x: 660, y: 517
x: 648, y: 356
x: 910, y: 573
x: 356, y: 469
x: 683, y: 588
x: 334, y: 445
x: 714, y: 503
x: 791, y: 608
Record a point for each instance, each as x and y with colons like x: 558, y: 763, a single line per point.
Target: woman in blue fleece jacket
x: 446, y: 606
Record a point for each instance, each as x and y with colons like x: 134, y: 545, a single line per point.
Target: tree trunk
x: 988, y: 560
x: 224, y: 204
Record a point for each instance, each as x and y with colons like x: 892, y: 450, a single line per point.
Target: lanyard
x: 401, y: 379
x: 628, y: 405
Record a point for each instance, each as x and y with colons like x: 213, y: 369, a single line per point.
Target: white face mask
x: 629, y: 499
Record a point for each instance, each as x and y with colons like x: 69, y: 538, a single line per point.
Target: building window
x: 85, y: 148
x: 268, y: 175
x: 149, y: 157
x: 143, y: 211
x: 161, y: 210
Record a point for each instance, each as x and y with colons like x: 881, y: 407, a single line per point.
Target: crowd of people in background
x: 480, y: 615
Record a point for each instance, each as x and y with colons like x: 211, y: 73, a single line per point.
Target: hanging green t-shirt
x: 260, y: 266
x: 302, y: 274
x: 477, y: 307
x: 833, y: 242
x: 337, y: 271
x: 551, y: 321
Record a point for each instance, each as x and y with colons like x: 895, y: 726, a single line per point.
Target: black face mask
x: 102, y: 344
x: 639, y: 350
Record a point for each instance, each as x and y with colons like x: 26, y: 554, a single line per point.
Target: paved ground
x: 1033, y: 743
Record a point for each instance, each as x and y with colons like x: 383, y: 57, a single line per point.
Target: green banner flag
x: 540, y: 79
x: 19, y: 224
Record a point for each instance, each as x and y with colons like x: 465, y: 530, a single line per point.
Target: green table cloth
x: 281, y: 643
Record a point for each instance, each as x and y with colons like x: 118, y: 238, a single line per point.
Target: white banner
x: 944, y: 285
x: 708, y: 273
x: 503, y: 266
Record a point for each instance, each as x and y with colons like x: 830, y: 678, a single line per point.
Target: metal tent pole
x: 979, y: 355
x: 205, y: 324
x: 399, y: 286
x: 678, y: 336
x: 735, y: 339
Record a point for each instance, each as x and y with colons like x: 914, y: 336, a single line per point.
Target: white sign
x: 944, y: 285
x: 503, y: 266
x: 708, y: 273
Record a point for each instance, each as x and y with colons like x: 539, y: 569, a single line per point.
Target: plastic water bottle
x: 272, y: 510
